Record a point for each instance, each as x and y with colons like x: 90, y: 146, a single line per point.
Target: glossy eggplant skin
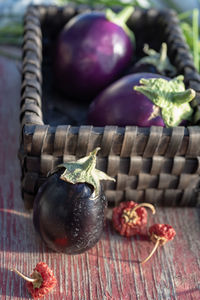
x: 91, y: 52
x: 68, y: 217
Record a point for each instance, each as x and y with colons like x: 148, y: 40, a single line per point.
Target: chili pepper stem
x: 131, y: 215
x: 144, y: 204
x: 152, y: 252
x: 23, y: 276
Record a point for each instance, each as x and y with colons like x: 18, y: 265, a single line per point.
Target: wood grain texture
x: 110, y: 270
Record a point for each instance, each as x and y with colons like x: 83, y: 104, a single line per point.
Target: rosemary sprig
x: 108, y: 3
x: 195, y: 29
x: 190, y: 28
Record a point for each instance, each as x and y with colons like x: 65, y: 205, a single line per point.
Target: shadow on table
x: 110, y: 239
x: 18, y: 234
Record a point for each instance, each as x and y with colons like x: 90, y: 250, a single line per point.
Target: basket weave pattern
x: 156, y: 165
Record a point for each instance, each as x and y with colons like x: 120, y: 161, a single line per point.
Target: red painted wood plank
x: 108, y: 271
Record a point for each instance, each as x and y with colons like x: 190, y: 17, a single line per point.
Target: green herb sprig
x: 190, y: 29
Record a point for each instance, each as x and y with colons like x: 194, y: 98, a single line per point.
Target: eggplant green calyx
x: 84, y: 170
x: 120, y: 19
x: 170, y: 96
x: 159, y: 60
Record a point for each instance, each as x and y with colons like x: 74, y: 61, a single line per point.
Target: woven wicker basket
x: 156, y: 165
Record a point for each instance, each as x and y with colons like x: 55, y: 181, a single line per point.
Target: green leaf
x: 107, y: 3
x: 191, y: 33
x: 195, y: 27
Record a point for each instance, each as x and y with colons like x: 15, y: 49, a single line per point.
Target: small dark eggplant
x: 69, y: 208
x: 154, y: 62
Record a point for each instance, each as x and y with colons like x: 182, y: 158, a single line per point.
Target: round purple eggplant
x: 92, y: 51
x: 142, y: 99
x: 69, y: 208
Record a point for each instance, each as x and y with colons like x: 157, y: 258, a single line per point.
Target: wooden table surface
x: 110, y: 270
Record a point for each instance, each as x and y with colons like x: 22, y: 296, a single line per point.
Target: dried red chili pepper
x: 160, y: 234
x: 40, y: 282
x: 129, y: 218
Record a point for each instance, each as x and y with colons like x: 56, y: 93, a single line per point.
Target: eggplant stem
x: 121, y: 19
x: 152, y: 252
x: 125, y: 14
x: 163, y: 52
x: 23, y: 276
x: 84, y: 170
x: 183, y: 97
x: 145, y: 90
x: 148, y: 51
x: 144, y: 204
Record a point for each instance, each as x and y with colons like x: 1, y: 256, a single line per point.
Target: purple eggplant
x: 92, y: 50
x: 142, y: 99
x: 69, y: 208
x: 154, y: 62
